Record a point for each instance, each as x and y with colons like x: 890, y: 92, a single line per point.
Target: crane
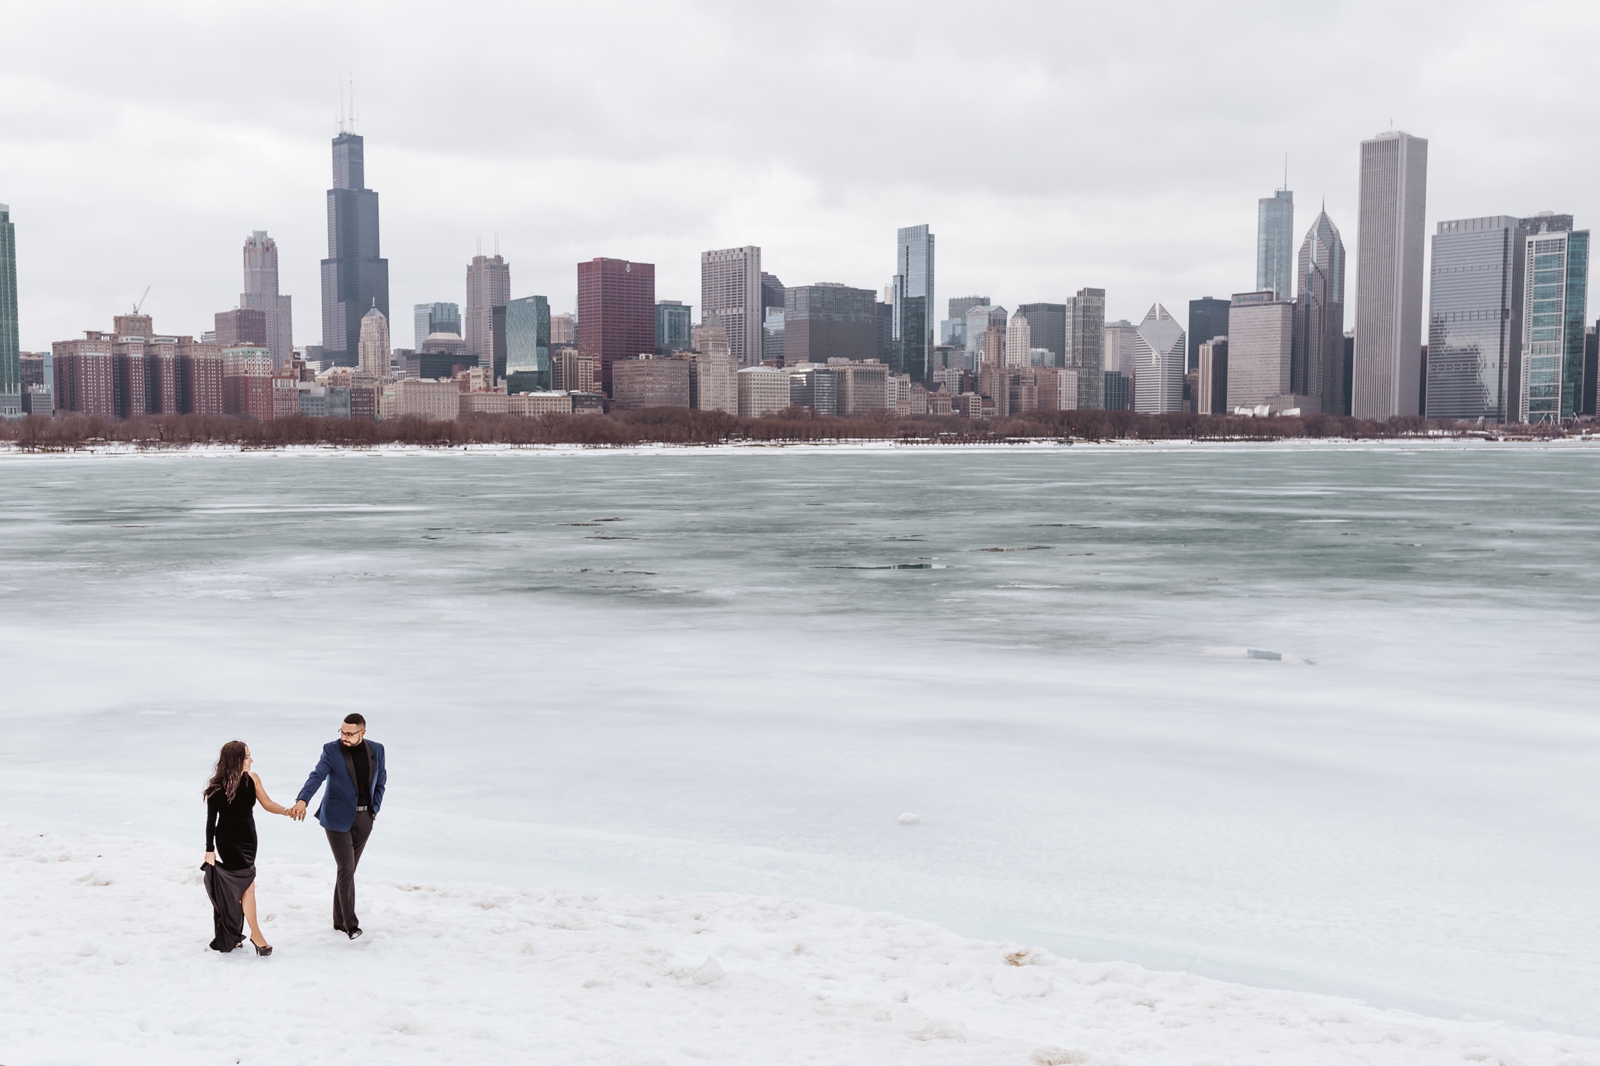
x: 140, y: 304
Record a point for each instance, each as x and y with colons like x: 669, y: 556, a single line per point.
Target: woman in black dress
x: 230, y: 866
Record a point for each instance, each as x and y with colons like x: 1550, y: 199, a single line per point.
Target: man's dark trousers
x: 347, y: 847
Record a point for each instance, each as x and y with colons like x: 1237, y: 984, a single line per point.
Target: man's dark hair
x: 355, y: 719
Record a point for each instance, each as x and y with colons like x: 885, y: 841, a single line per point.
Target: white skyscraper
x: 1387, y: 372
x: 730, y: 297
x: 1275, y: 243
x: 1018, y: 341
x: 373, y: 353
x: 261, y: 294
x: 1158, y: 372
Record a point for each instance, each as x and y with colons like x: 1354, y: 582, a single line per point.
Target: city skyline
x: 1024, y: 230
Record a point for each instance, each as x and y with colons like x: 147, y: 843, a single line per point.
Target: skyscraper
x: 488, y: 287
x: 616, y: 311
x: 1047, y: 326
x: 1275, y: 243
x: 528, y: 344
x: 434, y: 318
x: 354, y: 277
x: 1316, y: 364
x: 1158, y: 377
x: 1388, y: 354
x: 1260, y: 348
x: 953, y: 330
x: 829, y: 321
x: 261, y: 294
x: 1208, y: 318
x: 731, y: 296
x: 1086, y: 327
x: 1475, y: 318
x: 1555, y: 290
x: 913, y: 301
x: 673, y: 326
x: 10, y: 344
x: 372, y: 349
x: 1019, y: 340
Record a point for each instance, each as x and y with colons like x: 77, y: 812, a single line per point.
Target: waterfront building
x: 1121, y: 348
x: 1475, y: 319
x: 1086, y: 321
x: 763, y: 390
x: 436, y: 401
x: 1047, y: 326
x: 673, y: 326
x: 355, y: 277
x: 1387, y: 374
x: 1208, y: 318
x: 1260, y: 348
x: 1211, y: 380
x: 247, y: 381
x: 731, y: 297
x: 242, y: 325
x: 814, y: 387
x: 527, y: 345
x: 1315, y: 369
x: 10, y: 337
x: 828, y: 320
x: 563, y: 330
x: 1275, y: 243
x: 572, y: 371
x: 428, y: 319
x: 1158, y: 374
x: 1555, y: 289
x: 1017, y: 341
x: 713, y: 375
x: 771, y: 293
x: 772, y: 339
x: 649, y: 381
x: 913, y: 288
x: 861, y: 386
x: 261, y: 294
x: 372, y: 350
x: 488, y: 287
x: 953, y: 330
x: 616, y: 312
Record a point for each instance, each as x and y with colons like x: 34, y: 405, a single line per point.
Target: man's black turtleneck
x: 361, y: 759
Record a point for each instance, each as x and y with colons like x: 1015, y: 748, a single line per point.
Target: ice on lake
x: 1311, y: 717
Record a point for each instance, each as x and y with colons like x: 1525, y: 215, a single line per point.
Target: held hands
x: 298, y: 811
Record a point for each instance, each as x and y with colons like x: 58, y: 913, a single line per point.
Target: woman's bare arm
x: 266, y: 800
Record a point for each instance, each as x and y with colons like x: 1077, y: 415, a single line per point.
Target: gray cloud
x: 1051, y: 146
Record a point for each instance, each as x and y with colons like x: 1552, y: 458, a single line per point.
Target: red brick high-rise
x: 616, y: 312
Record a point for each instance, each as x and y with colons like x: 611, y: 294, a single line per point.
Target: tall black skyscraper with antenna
x: 354, y: 276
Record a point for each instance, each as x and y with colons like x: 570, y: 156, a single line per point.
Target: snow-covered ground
x: 103, y: 940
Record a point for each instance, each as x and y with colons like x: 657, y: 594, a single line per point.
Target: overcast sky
x: 1050, y: 146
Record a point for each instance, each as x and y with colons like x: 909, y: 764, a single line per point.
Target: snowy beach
x: 710, y: 681
x: 101, y: 967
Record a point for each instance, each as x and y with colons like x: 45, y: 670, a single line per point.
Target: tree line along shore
x: 669, y: 425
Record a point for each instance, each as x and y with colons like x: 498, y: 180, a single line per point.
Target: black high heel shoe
x: 262, y: 951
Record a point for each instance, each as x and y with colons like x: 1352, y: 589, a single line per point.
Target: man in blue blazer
x: 354, y: 768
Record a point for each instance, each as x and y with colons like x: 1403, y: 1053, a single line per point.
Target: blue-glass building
x: 1554, y: 304
x: 1475, y: 318
x: 528, y: 344
x: 10, y: 345
x: 673, y: 327
x: 913, y: 302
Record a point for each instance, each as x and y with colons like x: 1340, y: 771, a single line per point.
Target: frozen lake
x: 734, y: 670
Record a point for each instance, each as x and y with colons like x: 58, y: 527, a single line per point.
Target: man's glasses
x: 349, y: 733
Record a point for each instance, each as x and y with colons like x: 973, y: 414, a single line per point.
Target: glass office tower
x: 1208, y: 318
x: 673, y: 327
x: 434, y: 318
x: 1275, y: 244
x: 10, y: 345
x: 913, y: 302
x: 528, y: 344
x: 1554, y: 303
x: 1475, y: 318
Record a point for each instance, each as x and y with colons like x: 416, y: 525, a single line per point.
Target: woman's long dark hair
x: 230, y: 769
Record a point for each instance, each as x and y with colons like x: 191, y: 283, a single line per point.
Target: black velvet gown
x: 231, y: 834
